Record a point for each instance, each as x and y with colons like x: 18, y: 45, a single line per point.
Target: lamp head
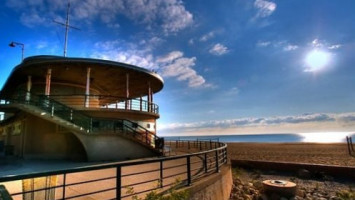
x: 12, y: 44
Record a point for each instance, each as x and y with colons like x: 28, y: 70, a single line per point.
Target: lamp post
x: 14, y: 44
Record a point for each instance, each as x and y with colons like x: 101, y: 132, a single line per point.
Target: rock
x: 258, y: 185
x: 301, y: 193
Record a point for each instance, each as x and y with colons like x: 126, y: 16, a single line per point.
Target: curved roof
x: 107, y: 77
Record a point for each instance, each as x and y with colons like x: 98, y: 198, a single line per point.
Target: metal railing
x: 87, y: 124
x: 106, y: 102
x: 123, y: 180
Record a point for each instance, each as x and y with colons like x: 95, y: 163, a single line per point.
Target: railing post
x: 71, y: 115
x: 52, y: 110
x: 146, y: 137
x: 217, y: 163
x: 188, y: 170
x: 118, y: 182
x: 161, y: 174
x: 351, y: 143
x: 348, y: 144
x: 205, y: 163
x: 64, y: 180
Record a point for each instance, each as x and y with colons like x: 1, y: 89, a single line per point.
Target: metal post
x: 64, y: 180
x: 348, y: 144
x: 71, y: 115
x: 118, y: 182
x: 127, y: 91
x: 351, y: 143
x: 161, y: 174
x: 217, y: 163
x: 205, y: 163
x: 140, y: 103
x: 188, y: 170
x: 52, y: 110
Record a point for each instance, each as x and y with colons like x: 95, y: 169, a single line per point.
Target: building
x: 79, y: 108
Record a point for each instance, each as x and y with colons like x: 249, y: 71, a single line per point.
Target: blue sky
x: 230, y: 67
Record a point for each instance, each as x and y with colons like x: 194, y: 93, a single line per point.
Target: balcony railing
x: 87, y: 124
x: 106, y: 102
x: 114, y: 180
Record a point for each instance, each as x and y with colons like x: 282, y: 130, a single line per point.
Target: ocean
x: 321, y: 137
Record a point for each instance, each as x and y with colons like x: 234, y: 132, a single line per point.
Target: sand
x: 312, y: 153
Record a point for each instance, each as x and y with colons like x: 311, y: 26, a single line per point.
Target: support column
x: 87, y: 91
x: 48, y: 82
x: 149, y: 97
x: 29, y: 86
x: 127, y: 91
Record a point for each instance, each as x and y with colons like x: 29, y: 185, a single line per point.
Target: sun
x: 317, y: 60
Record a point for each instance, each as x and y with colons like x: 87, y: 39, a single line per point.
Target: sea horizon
x: 318, y: 137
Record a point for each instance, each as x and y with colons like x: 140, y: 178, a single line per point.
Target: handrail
x: 81, y: 120
x: 106, y: 102
x: 197, y: 165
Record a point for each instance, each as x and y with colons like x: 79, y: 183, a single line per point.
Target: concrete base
x: 217, y: 186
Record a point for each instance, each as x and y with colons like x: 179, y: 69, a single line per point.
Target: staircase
x: 75, y: 121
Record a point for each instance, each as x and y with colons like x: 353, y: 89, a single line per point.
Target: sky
x: 229, y: 67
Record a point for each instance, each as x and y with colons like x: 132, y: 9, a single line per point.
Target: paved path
x: 152, y: 174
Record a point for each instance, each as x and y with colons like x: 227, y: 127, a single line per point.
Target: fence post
x: 64, y: 180
x: 348, y: 144
x: 161, y: 174
x: 217, y: 164
x: 188, y: 170
x: 351, y: 143
x: 205, y: 163
x: 118, y: 182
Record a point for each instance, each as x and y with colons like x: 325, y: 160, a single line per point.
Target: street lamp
x: 14, y: 44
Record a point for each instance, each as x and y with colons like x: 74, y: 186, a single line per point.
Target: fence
x: 350, y: 145
x: 122, y: 180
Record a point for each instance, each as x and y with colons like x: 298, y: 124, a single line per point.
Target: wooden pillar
x: 29, y: 86
x: 87, y: 91
x: 48, y: 82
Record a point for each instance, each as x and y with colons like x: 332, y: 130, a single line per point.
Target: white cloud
x: 191, y: 41
x: 324, y: 44
x: 218, y: 49
x: 261, y: 121
x: 265, y: 8
x: 207, y: 36
x: 170, y: 57
x: 175, y: 65
x: 113, y: 50
x: 284, y: 45
x: 335, y: 46
x: 290, y: 47
x: 263, y: 43
x: 170, y: 15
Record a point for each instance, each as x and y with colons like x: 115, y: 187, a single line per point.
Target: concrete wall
x: 217, y: 186
x: 100, y: 147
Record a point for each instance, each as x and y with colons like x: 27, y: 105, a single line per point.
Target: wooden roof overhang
x: 107, y: 77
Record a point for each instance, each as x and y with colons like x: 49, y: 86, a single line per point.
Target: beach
x: 311, y: 153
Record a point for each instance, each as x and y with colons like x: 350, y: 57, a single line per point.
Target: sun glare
x: 317, y: 60
x: 324, y: 137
